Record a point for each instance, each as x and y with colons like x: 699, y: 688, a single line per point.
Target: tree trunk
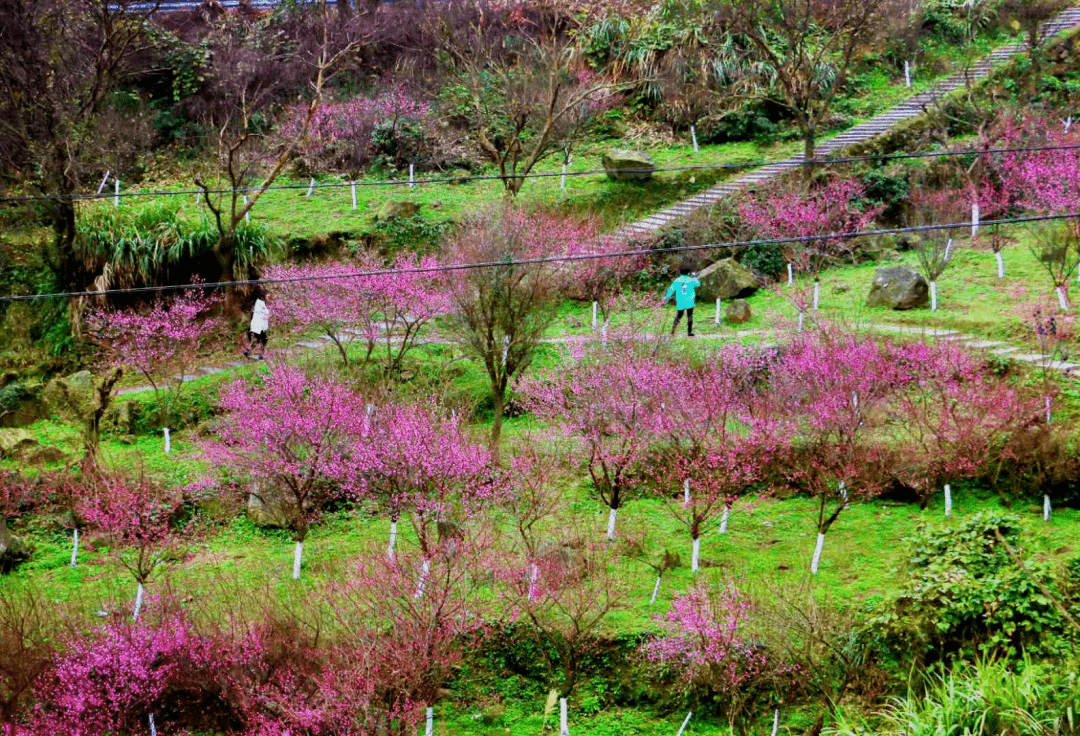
x: 809, y: 146
x: 498, y: 400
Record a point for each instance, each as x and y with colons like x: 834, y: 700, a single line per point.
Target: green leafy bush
x: 966, y: 594
x: 764, y: 258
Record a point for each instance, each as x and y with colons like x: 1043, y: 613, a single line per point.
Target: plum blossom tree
x: 611, y: 404
x: 289, y: 440
x: 387, y: 312
x: 783, y: 211
x: 27, y: 631
x: 416, y: 457
x: 162, y: 343
x: 137, y: 513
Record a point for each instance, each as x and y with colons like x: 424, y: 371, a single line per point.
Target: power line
x: 543, y: 259
x: 787, y: 163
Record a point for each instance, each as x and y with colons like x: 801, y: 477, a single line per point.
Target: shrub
x: 966, y: 595
x: 765, y: 259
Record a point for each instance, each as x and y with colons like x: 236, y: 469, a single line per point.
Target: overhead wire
x: 446, y: 268
x: 300, y: 186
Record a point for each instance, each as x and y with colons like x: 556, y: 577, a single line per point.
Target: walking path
x: 886, y: 121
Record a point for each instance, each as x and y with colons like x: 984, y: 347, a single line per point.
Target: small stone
x: 737, y: 312
x: 841, y: 289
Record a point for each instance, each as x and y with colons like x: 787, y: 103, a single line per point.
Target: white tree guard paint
x: 695, y: 560
x: 717, y: 318
x: 534, y: 575
x: 297, y: 558
x: 604, y: 332
x: 855, y: 400
x: 974, y: 220
x: 776, y: 722
x: 1000, y: 264
x: 1046, y: 507
x: 116, y: 192
x: 168, y: 440
x: 153, y: 726
x: 75, y: 549
x: 818, y: 548
x: 802, y: 317
x: 693, y: 137
x: 594, y: 305
x: 790, y: 276
x: 412, y: 178
x: 948, y: 250
x: 724, y: 518
x: 393, y: 539
x: 104, y: 181
x: 685, y: 721
x: 421, y: 581
x: 429, y: 726
x: 506, y: 350
x: 817, y: 295
x: 844, y: 494
x: 562, y: 179
x: 564, y: 727
x: 353, y: 184
x: 310, y: 187
x: 139, y: 593
x: 948, y: 500
x: 247, y: 213
x: 1049, y: 415
x: 907, y: 73
x: 655, y: 590
x: 1067, y: 123
x: 933, y: 296
x: 612, y: 513
x: 686, y: 493
x: 1063, y: 303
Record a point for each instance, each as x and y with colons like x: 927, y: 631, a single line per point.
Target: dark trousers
x: 689, y: 320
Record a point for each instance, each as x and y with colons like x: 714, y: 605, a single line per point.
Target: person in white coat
x: 260, y: 325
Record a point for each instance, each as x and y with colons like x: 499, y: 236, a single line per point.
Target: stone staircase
x: 884, y: 122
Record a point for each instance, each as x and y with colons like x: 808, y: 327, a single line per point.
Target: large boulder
x: 898, y: 287
x: 725, y: 279
x: 623, y: 165
x: 70, y: 397
x: 12, y: 549
x: 20, y: 405
x: 397, y: 210
x: 17, y: 443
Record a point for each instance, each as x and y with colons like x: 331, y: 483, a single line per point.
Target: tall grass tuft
x: 987, y: 698
x: 152, y: 244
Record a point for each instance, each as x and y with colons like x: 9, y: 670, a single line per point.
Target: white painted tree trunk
x: 104, y: 181
x: 353, y: 186
x: 247, y: 212
x: 818, y: 548
x: 717, y: 320
x: 948, y: 250
x: 534, y: 575
x: 393, y: 540
x: 948, y: 500
x: 655, y: 590
x: 1046, y: 507
x: 297, y: 558
x: 907, y: 77
x: 1000, y: 264
x: 612, y: 513
x: 693, y: 137
x: 604, y: 332
x: 790, y: 276
x: 686, y: 493
x: 594, y: 315
x: 685, y: 721
x: 802, y: 319
x: 844, y: 494
x: 776, y: 722
x: 1049, y: 415
x: 310, y: 187
x: 933, y: 296
x: 562, y: 179
x: 139, y: 593
x: 974, y: 220
x: 153, y: 726
x: 168, y: 440
x: 564, y: 727
x: 817, y: 295
x: 116, y: 192
x: 425, y: 570
x: 695, y: 559
x: 1063, y: 303
x: 75, y: 549
x: 724, y: 518
x: 429, y: 727
x: 412, y: 178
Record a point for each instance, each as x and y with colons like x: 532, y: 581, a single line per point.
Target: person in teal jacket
x: 683, y: 289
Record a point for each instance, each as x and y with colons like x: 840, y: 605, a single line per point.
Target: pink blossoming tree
x: 288, y: 440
